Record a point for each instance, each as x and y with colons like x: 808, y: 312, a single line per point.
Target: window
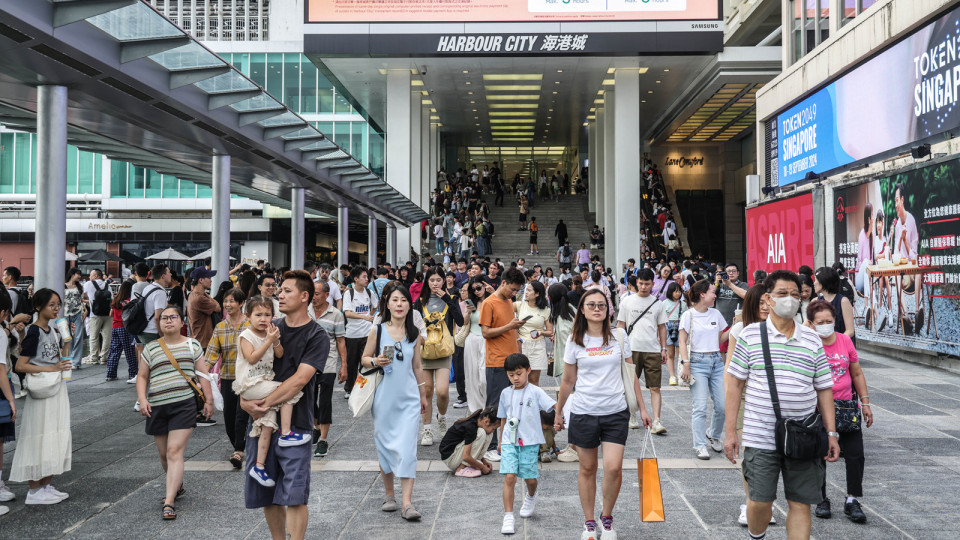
x: 275, y: 74
x: 291, y: 81
x: 170, y: 186
x: 118, y: 179
x: 6, y: 162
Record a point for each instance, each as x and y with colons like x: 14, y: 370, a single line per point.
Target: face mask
x: 786, y: 307
x: 824, y: 330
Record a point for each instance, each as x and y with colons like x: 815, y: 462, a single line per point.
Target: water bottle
x: 388, y: 368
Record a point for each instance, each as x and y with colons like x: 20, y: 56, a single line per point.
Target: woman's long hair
x: 490, y: 413
x: 425, y: 290
x: 70, y: 274
x: 248, y: 283
x: 580, y: 324
x: 559, y: 304
x: 126, y: 289
x: 751, y: 305
x: 409, y: 327
x: 867, y: 214
x: 541, y: 292
x: 696, y: 292
x: 473, y: 295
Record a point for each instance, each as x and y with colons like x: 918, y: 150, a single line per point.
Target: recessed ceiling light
x: 666, y: 70
x: 469, y: 93
x: 473, y: 102
x: 555, y: 93
x: 585, y: 124
x: 556, y: 82
x: 649, y: 91
x: 512, y: 77
x: 468, y: 82
x: 513, y: 87
x: 643, y: 101
x: 513, y: 105
x: 465, y: 71
x: 474, y: 110
x: 559, y: 71
x: 549, y: 118
x: 513, y: 97
x: 548, y: 123
x: 658, y: 82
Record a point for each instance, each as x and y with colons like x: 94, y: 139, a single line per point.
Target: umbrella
x: 71, y: 256
x: 130, y: 257
x: 208, y: 254
x: 169, y: 254
x: 99, y: 255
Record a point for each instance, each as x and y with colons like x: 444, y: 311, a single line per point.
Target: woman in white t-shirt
x: 598, y: 409
x: 703, y: 328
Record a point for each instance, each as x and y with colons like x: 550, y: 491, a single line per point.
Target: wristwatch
x: 833, y: 434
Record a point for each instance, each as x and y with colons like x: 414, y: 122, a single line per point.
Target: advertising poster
x: 474, y: 11
x: 850, y: 120
x: 899, y: 239
x: 780, y: 235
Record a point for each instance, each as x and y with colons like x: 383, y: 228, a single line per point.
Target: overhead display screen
x: 475, y: 11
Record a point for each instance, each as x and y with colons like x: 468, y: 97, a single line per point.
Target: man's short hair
x: 382, y: 271
x: 733, y: 264
x: 645, y: 274
x: 780, y: 275
x: 13, y: 272
x: 345, y: 267
x: 513, y: 276
x: 516, y: 361
x: 324, y: 285
x: 631, y: 261
x: 325, y: 267
x: 142, y: 270
x: 302, y: 282
x: 310, y: 266
x: 158, y: 270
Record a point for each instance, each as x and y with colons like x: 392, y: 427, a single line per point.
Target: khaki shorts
x: 649, y: 364
x: 802, y: 479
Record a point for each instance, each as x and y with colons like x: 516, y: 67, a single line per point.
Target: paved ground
x: 912, y: 478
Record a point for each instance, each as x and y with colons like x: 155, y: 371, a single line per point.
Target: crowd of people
x: 276, y: 342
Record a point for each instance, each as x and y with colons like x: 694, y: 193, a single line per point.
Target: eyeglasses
x: 595, y: 305
x: 166, y: 318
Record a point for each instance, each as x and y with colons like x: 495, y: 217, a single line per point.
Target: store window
x: 853, y: 8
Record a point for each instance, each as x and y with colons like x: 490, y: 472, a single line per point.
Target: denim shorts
x: 673, y: 326
x: 519, y: 460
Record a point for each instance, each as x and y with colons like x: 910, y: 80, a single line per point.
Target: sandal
x: 179, y: 494
x: 236, y: 459
x: 169, y: 512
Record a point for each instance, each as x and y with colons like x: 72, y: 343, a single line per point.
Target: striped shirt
x: 800, y: 368
x: 167, y: 385
x: 223, y: 346
x: 333, y: 321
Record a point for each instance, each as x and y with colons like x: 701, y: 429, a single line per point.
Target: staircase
x: 509, y: 243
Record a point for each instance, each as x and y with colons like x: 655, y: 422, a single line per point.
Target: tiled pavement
x: 911, y: 485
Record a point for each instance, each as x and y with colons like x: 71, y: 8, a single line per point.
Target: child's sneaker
x: 508, y: 524
x: 293, y: 439
x: 260, y: 475
x: 529, y: 504
x: 590, y: 531
x: 607, y: 524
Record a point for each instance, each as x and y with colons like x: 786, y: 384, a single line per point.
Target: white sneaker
x: 3, y: 510
x: 529, y: 504
x: 608, y: 534
x: 633, y: 424
x: 88, y: 360
x: 441, y: 425
x: 703, y: 453
x: 427, y: 438
x: 42, y: 496
x: 492, y: 455
x: 658, y: 428
x: 742, y: 520
x: 590, y: 535
x: 56, y: 492
x: 6, y: 494
x: 715, y: 444
x: 132, y: 380
x: 508, y: 524
x: 568, y: 455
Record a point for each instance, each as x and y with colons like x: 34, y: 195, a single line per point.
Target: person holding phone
x: 535, y: 313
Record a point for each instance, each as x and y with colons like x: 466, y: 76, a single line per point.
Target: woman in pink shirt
x: 851, y: 402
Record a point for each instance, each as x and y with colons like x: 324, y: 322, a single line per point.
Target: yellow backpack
x: 439, y: 342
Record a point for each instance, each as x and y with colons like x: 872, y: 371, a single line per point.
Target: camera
x: 724, y: 276
x: 423, y: 70
x: 510, y: 430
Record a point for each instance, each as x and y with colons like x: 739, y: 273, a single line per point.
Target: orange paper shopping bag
x: 651, y: 498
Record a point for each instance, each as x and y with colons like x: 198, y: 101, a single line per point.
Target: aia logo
x: 841, y: 211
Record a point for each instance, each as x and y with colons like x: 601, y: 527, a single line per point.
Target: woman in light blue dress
x: 400, y: 397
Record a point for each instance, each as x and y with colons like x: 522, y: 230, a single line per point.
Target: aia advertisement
x: 780, y: 235
x: 899, y: 239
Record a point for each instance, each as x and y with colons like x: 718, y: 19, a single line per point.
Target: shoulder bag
x: 44, y: 384
x: 848, y: 417
x: 635, y: 321
x: 803, y: 438
x: 627, y: 371
x: 198, y: 393
x: 365, y: 387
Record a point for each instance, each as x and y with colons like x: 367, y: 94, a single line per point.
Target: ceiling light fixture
x: 513, y: 87
x: 512, y: 77
x: 512, y: 97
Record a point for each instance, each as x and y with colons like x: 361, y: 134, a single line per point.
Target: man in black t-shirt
x: 305, y: 348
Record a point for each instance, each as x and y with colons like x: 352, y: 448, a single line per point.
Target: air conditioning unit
x: 753, y: 188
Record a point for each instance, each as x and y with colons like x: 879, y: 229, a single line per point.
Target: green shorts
x: 802, y: 479
x: 520, y: 460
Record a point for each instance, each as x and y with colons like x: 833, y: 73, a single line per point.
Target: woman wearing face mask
x: 704, y: 328
x: 849, y: 394
x: 826, y: 283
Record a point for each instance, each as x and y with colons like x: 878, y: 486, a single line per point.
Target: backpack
x: 134, y: 314
x: 439, y: 343
x: 566, y: 251
x: 24, y: 304
x: 101, y: 300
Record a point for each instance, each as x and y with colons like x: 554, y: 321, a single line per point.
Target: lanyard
x: 513, y: 403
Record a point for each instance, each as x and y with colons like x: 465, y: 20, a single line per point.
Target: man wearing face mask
x: 803, y: 381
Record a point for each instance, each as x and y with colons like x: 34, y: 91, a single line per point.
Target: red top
x: 117, y: 317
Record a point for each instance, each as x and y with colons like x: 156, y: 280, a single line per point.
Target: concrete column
x: 597, y: 182
x: 434, y: 153
x: 416, y: 165
x: 622, y: 227
x: 610, y: 143
x: 427, y: 173
x: 50, y: 243
x: 391, y: 233
x: 371, y: 242
x: 399, y: 146
x: 297, y: 228
x: 343, y: 240
x: 592, y: 152
x: 220, y: 224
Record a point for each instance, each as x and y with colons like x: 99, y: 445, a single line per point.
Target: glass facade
x: 18, y: 174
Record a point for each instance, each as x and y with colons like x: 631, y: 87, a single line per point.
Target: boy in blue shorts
x: 520, y: 436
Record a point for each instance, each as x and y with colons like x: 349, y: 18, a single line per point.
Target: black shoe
x: 316, y: 435
x: 321, y: 450
x: 205, y: 422
x: 823, y: 509
x: 854, y: 512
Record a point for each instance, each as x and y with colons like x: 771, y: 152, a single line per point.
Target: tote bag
x: 365, y: 387
x: 627, y: 372
x: 651, y: 494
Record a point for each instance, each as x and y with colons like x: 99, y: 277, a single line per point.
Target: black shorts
x: 172, y: 416
x: 533, y: 239
x: 588, y: 431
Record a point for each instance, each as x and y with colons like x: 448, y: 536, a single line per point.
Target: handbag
x: 848, y: 417
x: 198, y: 393
x: 651, y: 495
x: 627, y: 373
x: 797, y: 438
x: 43, y: 385
x: 365, y: 387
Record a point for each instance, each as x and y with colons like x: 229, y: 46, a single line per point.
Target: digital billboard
x: 907, y: 93
x: 899, y: 239
x: 780, y: 235
x: 471, y: 11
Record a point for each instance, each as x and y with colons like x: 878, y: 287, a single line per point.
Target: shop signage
x: 780, y: 234
x: 512, y: 43
x: 683, y: 161
x: 107, y: 226
x: 846, y: 121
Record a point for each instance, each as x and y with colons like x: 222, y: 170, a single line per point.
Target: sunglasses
x: 595, y: 305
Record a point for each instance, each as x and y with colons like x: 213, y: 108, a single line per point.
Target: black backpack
x: 134, y: 313
x: 566, y: 251
x: 101, y: 300
x: 24, y: 304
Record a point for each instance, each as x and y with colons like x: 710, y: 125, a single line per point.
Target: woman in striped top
x: 169, y: 405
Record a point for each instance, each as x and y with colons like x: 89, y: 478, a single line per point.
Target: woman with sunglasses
x: 475, y: 347
x: 598, y: 410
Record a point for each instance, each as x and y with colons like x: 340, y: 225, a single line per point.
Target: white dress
x: 255, y: 381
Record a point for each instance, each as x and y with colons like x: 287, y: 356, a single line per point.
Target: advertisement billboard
x: 780, y: 235
x: 473, y: 11
x: 905, y: 94
x: 899, y: 239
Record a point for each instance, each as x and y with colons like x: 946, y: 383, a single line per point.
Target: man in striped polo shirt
x: 804, y: 382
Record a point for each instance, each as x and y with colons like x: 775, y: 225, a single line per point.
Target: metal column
x: 343, y: 240
x: 51, y: 225
x: 392, y: 245
x: 297, y: 228
x: 220, y: 221
x: 371, y: 242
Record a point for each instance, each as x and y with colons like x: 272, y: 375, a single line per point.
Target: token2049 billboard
x: 474, y: 11
x: 899, y: 239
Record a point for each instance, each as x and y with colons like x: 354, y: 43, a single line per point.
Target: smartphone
x: 388, y: 351
x: 527, y: 318
x: 470, y: 303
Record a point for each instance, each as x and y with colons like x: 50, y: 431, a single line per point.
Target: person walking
x: 201, y: 308
x: 359, y: 308
x: 222, y: 349
x: 335, y: 368
x: 561, y: 233
x: 99, y: 297
x: 704, y: 329
x: 599, y: 414
x: 8, y: 426
x: 826, y: 284
x: 801, y: 374
x: 121, y: 342
x: 534, y: 229
x: 535, y: 313
x: 400, y: 398
x: 674, y: 305
x: 75, y: 312
x: 167, y: 395
x: 851, y: 400
x: 474, y: 347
